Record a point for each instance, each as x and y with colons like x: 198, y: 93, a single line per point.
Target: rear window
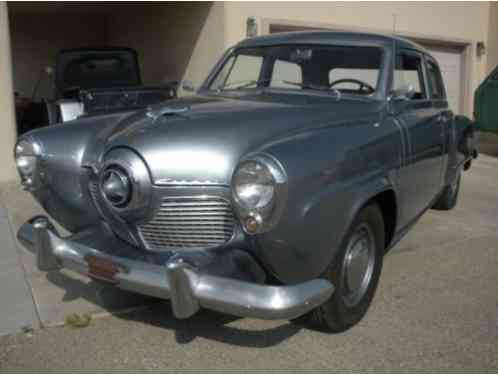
x: 369, y: 76
x: 97, y: 69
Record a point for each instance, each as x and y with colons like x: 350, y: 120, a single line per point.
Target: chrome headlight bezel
x: 261, y: 218
x: 27, y: 153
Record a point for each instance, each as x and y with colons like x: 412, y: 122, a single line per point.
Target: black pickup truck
x: 94, y: 80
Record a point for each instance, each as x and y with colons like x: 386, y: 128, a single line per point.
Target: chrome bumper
x: 186, y: 287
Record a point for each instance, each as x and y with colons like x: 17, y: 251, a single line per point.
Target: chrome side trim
x: 188, y: 288
x: 173, y: 182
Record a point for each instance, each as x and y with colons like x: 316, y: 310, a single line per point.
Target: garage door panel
x: 450, y: 63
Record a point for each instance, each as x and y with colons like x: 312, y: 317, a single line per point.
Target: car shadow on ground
x: 212, y: 326
x: 206, y: 324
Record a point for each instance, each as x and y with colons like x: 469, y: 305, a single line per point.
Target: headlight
x: 259, y: 187
x: 26, y: 156
x: 253, y: 185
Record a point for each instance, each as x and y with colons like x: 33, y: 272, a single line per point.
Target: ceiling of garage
x: 101, y: 7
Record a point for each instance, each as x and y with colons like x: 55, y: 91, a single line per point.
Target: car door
x: 420, y: 177
x: 442, y: 116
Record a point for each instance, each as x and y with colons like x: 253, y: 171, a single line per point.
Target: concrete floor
x: 53, y: 295
x: 436, y: 309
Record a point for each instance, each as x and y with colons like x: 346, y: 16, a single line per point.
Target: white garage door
x: 450, y: 63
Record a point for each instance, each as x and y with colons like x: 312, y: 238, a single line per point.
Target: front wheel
x: 355, y: 274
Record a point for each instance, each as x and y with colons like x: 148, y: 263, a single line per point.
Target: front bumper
x: 187, y: 286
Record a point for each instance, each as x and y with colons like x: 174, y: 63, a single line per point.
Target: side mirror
x: 188, y: 86
x: 405, y: 92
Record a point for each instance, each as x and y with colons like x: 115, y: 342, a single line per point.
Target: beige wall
x: 492, y: 41
x: 7, y: 119
x: 462, y: 21
x: 175, y: 41
x: 36, y: 39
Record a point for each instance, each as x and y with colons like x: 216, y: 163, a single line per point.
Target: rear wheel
x: 449, y: 197
x: 354, y: 273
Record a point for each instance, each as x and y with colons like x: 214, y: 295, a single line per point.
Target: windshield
x: 331, y: 69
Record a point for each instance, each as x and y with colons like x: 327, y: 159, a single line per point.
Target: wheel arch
x: 384, y: 194
x: 386, y: 200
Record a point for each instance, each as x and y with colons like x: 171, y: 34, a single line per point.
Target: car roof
x: 330, y: 37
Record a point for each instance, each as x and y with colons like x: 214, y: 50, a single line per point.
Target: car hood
x: 199, y: 140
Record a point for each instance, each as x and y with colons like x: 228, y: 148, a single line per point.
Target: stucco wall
x: 7, y: 119
x: 492, y: 42
x: 466, y: 21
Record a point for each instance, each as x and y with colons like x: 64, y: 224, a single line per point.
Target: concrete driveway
x: 436, y: 309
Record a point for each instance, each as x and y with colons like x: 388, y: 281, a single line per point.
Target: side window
x: 284, y: 71
x: 409, y: 72
x: 435, y: 80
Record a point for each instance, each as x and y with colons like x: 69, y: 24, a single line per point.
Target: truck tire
x: 354, y: 273
x: 449, y: 197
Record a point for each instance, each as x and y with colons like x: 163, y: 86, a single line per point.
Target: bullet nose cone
x: 116, y: 187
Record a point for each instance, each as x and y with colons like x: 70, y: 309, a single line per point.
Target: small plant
x: 77, y: 321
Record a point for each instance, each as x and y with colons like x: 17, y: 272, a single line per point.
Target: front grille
x: 189, y: 222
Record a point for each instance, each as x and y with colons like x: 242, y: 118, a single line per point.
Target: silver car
x: 272, y: 193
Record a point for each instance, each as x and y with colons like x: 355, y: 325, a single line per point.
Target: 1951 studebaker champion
x: 274, y: 192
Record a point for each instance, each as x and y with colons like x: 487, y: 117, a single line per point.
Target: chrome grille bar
x: 189, y: 222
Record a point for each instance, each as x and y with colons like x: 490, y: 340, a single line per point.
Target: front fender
x: 64, y: 184
x: 332, y: 176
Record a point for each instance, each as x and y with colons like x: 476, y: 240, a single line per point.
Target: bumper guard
x: 186, y: 287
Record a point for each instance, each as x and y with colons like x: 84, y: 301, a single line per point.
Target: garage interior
x: 164, y: 36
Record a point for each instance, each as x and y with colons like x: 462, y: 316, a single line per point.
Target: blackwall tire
x: 449, y: 197
x: 355, y: 283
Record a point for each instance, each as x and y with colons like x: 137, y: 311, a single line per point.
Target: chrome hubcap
x: 358, y: 265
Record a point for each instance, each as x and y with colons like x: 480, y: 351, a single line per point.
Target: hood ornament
x: 155, y: 113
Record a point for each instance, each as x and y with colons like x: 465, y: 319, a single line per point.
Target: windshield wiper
x: 311, y: 86
x: 242, y: 84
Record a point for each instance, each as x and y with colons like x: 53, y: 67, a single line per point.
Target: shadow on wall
x: 165, y: 36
